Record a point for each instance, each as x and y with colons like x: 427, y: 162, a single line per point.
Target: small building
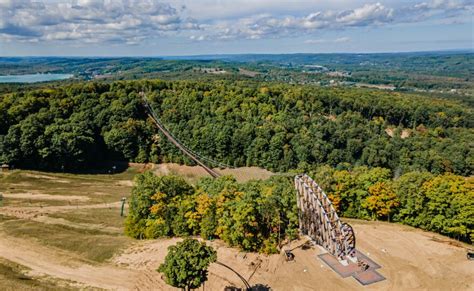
x: 4, y: 168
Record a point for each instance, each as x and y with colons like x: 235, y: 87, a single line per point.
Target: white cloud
x: 133, y: 21
x: 217, y: 10
x: 90, y: 20
x: 266, y: 25
x: 441, y: 9
x: 442, y: 4
x: 368, y: 14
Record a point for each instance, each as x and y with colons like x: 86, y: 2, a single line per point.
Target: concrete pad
x: 351, y: 268
x: 368, y: 277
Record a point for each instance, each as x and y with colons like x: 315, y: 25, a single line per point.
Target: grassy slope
x: 13, y: 277
x: 89, y: 245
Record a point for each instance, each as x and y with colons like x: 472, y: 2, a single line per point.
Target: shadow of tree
x: 260, y: 287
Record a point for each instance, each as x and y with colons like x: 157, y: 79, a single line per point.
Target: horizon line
x: 460, y: 50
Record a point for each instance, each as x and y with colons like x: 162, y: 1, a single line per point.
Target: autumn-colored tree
x: 154, y: 205
x: 381, y: 201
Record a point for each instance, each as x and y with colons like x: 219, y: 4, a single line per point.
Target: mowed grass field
x: 75, y: 215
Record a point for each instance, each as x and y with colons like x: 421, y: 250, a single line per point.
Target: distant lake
x: 33, y: 78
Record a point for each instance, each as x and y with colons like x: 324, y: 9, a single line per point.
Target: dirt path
x: 34, y: 211
x: 55, y: 263
x: 78, y: 225
x: 39, y: 196
x: 195, y: 172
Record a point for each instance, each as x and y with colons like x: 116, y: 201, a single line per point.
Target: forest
x: 241, y: 123
x: 379, y: 155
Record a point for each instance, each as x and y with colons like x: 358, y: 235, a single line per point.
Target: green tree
x: 186, y: 264
x: 412, y: 199
x: 450, y: 205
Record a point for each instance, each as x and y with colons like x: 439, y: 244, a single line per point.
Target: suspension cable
x: 197, y: 157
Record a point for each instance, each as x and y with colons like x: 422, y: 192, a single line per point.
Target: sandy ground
x: 33, y: 212
x: 411, y: 259
x: 46, y: 261
x: 38, y: 196
x: 193, y: 172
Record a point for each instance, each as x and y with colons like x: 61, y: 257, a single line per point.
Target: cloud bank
x: 90, y: 21
x: 134, y: 21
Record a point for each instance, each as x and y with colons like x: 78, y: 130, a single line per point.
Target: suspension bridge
x: 199, y: 159
x: 317, y: 216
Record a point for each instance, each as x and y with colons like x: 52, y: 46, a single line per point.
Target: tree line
x: 242, y: 123
x: 254, y: 216
x: 261, y: 215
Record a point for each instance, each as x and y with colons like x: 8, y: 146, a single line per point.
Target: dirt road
x: 410, y: 259
x: 52, y: 262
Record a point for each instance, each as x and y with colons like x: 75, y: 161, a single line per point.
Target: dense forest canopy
x: 242, y: 123
x: 379, y: 155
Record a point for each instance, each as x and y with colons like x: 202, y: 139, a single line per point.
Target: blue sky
x: 190, y: 27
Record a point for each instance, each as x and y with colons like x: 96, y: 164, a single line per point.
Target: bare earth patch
x: 247, y: 173
x: 31, y: 212
x: 125, y: 183
x: 46, y: 261
x: 193, y: 173
x: 41, y: 176
x: 409, y: 257
x: 40, y: 196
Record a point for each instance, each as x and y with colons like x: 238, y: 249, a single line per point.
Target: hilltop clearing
x: 80, y: 244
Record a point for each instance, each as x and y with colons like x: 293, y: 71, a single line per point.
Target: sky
x: 195, y: 27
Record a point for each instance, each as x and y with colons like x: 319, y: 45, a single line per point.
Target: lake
x: 33, y: 78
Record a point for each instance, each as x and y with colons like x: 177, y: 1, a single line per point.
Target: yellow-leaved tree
x: 382, y: 200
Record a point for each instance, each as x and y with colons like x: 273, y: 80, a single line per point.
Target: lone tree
x: 186, y: 264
